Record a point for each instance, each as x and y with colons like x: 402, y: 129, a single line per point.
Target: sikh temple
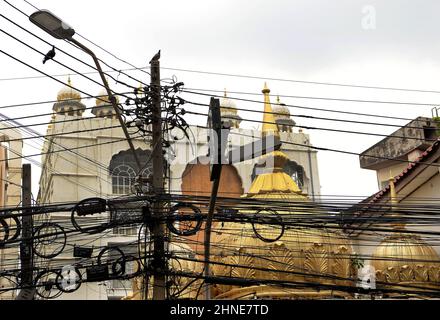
x: 316, y: 263
x: 100, y: 164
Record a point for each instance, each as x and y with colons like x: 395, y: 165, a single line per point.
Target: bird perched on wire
x: 156, y: 57
x: 50, y: 55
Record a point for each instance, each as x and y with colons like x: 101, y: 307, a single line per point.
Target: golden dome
x: 271, y: 252
x: 273, y: 182
x: 404, y: 258
x: 300, y: 255
x: 104, y: 107
x: 227, y: 106
x: 103, y: 100
x: 68, y: 93
x: 281, y: 110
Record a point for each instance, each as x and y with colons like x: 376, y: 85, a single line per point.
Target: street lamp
x: 53, y: 25
x: 58, y: 29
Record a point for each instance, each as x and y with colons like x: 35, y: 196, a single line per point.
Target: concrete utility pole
x: 26, y: 246
x: 159, y: 265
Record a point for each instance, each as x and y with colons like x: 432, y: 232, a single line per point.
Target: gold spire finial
x: 265, y: 89
x: 393, y: 200
x: 269, y: 124
x: 69, y: 82
x: 273, y: 182
x: 225, y: 94
x: 278, y: 99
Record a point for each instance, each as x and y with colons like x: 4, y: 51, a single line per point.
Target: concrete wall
x: 397, y: 144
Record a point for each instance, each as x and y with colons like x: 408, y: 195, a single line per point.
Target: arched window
x: 123, y: 169
x: 291, y: 168
x: 296, y: 172
x: 122, y: 179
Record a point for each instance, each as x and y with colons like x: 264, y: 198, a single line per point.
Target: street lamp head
x: 53, y: 25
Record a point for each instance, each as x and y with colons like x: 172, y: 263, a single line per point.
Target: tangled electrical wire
x: 75, y: 234
x: 140, y: 111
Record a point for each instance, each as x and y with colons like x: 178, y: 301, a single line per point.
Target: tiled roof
x: 407, y: 170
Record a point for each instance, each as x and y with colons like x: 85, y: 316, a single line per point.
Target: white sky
x: 308, y: 40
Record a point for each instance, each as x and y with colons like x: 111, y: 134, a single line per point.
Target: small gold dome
x: 68, y: 93
x: 273, y: 182
x: 405, y: 258
x: 227, y: 106
x: 103, y: 100
x: 281, y: 110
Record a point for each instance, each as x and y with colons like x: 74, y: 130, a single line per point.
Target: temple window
x: 123, y: 170
x: 291, y: 168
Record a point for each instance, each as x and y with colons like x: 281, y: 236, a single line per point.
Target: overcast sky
x: 375, y: 43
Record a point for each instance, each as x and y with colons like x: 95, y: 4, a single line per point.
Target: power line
x: 328, y: 129
x: 271, y: 79
x: 303, y: 81
x: 239, y: 109
x: 120, y: 71
x: 98, y: 46
x: 43, y: 54
x: 37, y: 135
x: 58, y: 134
x: 336, y: 150
x: 26, y: 104
x: 325, y: 129
x: 193, y: 91
x: 309, y: 108
x: 74, y: 148
x: 42, y: 72
x: 61, y: 75
x: 45, y: 123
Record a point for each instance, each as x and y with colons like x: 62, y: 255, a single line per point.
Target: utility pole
x: 159, y: 265
x: 218, y: 138
x: 217, y: 141
x: 26, y: 246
